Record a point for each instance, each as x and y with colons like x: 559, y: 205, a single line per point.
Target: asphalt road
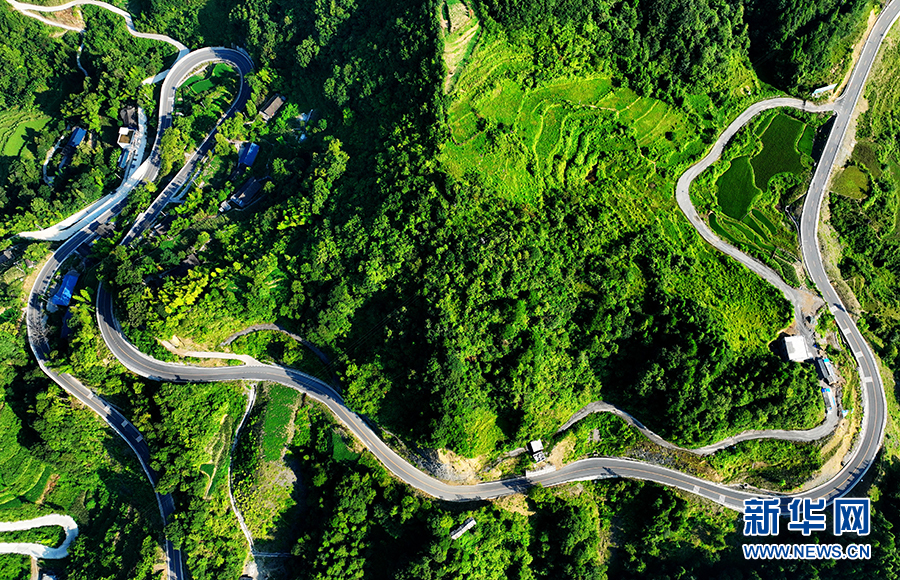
x: 179, y: 73
x: 874, y: 402
x: 873, y: 396
x: 597, y: 468
x: 34, y: 310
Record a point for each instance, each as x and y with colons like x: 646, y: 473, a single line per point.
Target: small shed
x: 64, y: 294
x: 128, y: 115
x: 797, y: 349
x: 248, y: 155
x: 827, y: 371
x: 78, y: 136
x: 125, y: 136
x: 271, y: 107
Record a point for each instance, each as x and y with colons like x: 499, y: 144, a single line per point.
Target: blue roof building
x: 248, y: 155
x: 64, y: 295
x: 77, y: 137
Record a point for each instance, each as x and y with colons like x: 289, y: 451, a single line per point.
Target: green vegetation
x: 266, y: 485
x: 274, y: 346
x: 779, y: 153
x: 783, y: 464
x: 763, y: 172
x: 476, y: 286
x: 601, y: 434
x: 199, y: 104
x: 14, y: 126
x: 51, y: 536
x: 42, y: 94
x: 804, y: 44
x: 736, y: 189
x: 851, y: 182
x: 204, y: 526
x: 460, y: 30
x: 478, y: 264
x: 58, y: 457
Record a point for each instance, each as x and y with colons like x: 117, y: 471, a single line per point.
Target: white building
x: 797, y: 349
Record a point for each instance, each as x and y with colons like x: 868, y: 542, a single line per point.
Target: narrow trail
x: 237, y: 433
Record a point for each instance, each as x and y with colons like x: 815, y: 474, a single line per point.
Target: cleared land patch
x: 462, y: 32
x: 265, y: 481
x: 851, y: 182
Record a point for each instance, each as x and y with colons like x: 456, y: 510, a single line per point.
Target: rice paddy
x: 779, y: 153
x: 736, y: 188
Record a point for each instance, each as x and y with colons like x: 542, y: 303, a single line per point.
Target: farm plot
x: 747, y: 195
x: 22, y: 476
x: 564, y: 131
x: 736, y: 188
x: 14, y: 125
x: 265, y: 480
x: 779, y: 153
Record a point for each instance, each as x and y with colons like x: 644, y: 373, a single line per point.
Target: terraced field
x: 22, y: 476
x: 14, y: 125
x: 779, y: 153
x: 566, y: 131
x: 762, y: 173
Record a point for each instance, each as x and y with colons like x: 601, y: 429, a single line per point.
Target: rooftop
x: 271, y: 107
x: 797, y: 349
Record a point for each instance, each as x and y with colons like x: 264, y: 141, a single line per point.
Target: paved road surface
x: 30, y: 9
x: 832, y: 420
x: 597, y: 468
x: 36, y: 300
x: 38, y: 550
x: 179, y: 74
x: 854, y: 469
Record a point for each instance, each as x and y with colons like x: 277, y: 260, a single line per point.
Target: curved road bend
x: 178, y: 75
x: 39, y: 550
x: 873, y: 396
x: 802, y: 435
x: 587, y: 469
x: 36, y: 330
x: 29, y: 9
x: 596, y: 468
x: 683, y: 196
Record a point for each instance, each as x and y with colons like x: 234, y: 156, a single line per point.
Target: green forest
x: 479, y: 254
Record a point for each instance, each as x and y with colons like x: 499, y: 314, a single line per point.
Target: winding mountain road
x: 148, y: 172
x: 874, y: 404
